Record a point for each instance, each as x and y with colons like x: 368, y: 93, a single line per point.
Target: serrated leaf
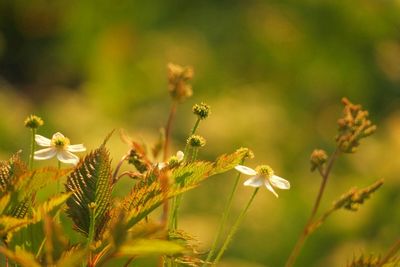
x: 22, y: 257
x: 145, y: 247
x: 90, y: 184
x: 149, y: 194
x: 49, y: 205
x: 10, y: 171
x: 72, y: 258
x: 9, y: 224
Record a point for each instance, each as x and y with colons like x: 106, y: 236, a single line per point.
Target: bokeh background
x: 274, y: 73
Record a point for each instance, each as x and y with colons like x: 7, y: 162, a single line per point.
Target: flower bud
x: 196, y: 141
x: 178, y: 78
x: 318, y: 159
x: 202, y: 110
x: 33, y: 122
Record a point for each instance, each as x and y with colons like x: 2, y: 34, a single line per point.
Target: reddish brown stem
x: 306, y: 230
x: 168, y: 129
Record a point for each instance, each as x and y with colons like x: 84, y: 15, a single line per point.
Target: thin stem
x: 168, y: 129
x: 118, y: 167
x: 32, y: 149
x: 194, y: 129
x: 306, y: 230
x: 234, y: 228
x: 58, y: 179
x: 391, y: 253
x: 224, y: 218
x: 173, y: 222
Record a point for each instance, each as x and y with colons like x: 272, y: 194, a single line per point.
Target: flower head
x: 59, y: 146
x: 202, y: 110
x: 173, y: 161
x: 33, y: 122
x: 263, y: 175
x: 196, y: 141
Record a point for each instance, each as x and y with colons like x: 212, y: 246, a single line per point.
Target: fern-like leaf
x: 10, y: 224
x: 10, y: 171
x: 149, y: 194
x: 91, y: 185
x: 20, y: 256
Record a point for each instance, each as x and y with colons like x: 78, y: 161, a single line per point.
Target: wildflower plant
x: 84, y: 224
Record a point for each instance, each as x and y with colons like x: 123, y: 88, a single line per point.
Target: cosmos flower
x: 263, y: 175
x: 59, y: 146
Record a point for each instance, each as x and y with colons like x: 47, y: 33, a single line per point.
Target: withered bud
x: 353, y: 126
x: 137, y: 160
x: 318, y: 159
x: 178, y: 78
x: 356, y: 197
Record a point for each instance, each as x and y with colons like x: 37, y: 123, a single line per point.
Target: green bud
x: 202, y: 110
x: 196, y: 141
x: 33, y: 122
x: 247, y: 153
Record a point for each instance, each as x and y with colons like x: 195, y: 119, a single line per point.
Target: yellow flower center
x: 265, y: 170
x: 60, y: 142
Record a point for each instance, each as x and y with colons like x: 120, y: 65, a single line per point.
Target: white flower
x: 263, y: 175
x: 59, y: 146
x: 173, y: 161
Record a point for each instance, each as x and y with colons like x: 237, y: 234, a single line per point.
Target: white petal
x: 42, y: 141
x: 255, y: 181
x: 161, y: 165
x: 180, y: 155
x: 279, y: 182
x: 245, y: 170
x: 46, y: 153
x: 269, y: 187
x: 67, y: 157
x: 58, y: 135
x: 76, y: 148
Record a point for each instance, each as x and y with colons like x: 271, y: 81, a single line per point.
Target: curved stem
x: 234, y: 228
x: 224, y: 219
x: 118, y: 167
x: 306, y: 230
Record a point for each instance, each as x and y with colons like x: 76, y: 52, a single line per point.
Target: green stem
x: 58, y: 179
x: 32, y: 149
x: 224, y: 218
x: 194, y: 129
x: 92, y: 224
x: 234, y: 228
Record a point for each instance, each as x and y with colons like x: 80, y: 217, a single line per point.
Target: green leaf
x: 91, y: 185
x: 10, y: 224
x: 147, y: 195
x: 145, y: 247
x: 10, y: 171
x: 22, y: 257
x: 72, y: 258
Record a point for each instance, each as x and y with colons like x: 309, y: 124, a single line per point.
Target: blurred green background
x: 274, y: 73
